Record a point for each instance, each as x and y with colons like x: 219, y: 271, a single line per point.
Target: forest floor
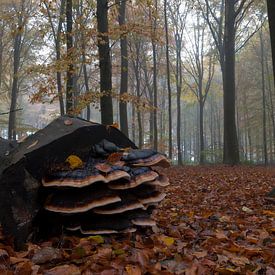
x: 214, y: 220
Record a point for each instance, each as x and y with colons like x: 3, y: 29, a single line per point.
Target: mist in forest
x: 192, y: 79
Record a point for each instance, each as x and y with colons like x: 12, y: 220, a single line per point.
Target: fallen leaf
x: 269, y: 213
x: 168, y: 240
x: 46, y: 254
x: 247, y: 210
x: 200, y: 254
x: 97, y: 238
x: 118, y: 252
x: 74, y: 161
x: 133, y: 270
x: 63, y: 270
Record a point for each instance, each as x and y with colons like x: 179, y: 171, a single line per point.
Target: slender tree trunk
x: 14, y: 91
x: 57, y: 38
x: 202, y: 154
x: 179, y: 87
x: 133, y: 123
x: 136, y: 65
x: 151, y: 97
x: 104, y: 63
x: 1, y: 51
x: 271, y: 19
x: 86, y: 80
x: 124, y: 69
x: 154, y: 49
x: 263, y: 99
x: 270, y: 89
x: 231, y: 150
x: 58, y: 57
x: 168, y: 83
x: 70, y: 70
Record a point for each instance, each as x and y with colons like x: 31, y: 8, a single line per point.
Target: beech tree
x: 124, y: 67
x: 200, y: 68
x: 106, y: 104
x: 225, y: 23
x: 169, y: 95
x: 57, y: 41
x: 271, y: 19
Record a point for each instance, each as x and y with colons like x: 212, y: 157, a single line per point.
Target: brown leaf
x: 133, y: 270
x: 23, y: 268
x: 63, y: 270
x: 200, y: 254
x: 46, y: 254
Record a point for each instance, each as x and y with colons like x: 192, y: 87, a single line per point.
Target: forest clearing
x: 214, y: 220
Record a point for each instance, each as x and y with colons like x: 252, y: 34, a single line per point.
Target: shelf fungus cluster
x: 79, y: 175
x: 113, y: 191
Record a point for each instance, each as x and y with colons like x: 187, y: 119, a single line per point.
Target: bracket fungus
x: 80, y: 176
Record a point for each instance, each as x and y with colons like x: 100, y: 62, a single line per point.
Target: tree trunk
x: 58, y: 57
x: 150, y: 91
x: 136, y: 65
x: 70, y: 69
x: 231, y: 150
x: 133, y: 123
x: 106, y: 104
x: 271, y: 19
x: 154, y: 49
x: 202, y: 154
x: 168, y: 83
x: 179, y: 87
x: 1, y: 50
x: 271, y: 108
x: 86, y: 80
x: 124, y: 69
x: 14, y: 91
x: 263, y: 99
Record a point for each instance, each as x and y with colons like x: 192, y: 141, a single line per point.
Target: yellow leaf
x: 74, y: 161
x: 97, y: 238
x: 118, y: 252
x: 168, y: 240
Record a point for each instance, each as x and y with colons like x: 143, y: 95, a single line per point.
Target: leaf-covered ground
x: 214, y: 220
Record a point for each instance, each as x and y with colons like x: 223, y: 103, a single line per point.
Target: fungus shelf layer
x: 115, y: 188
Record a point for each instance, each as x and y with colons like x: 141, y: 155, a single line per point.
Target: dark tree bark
x: 70, y: 68
x: 271, y: 19
x: 168, y: 83
x: 14, y: 92
x: 124, y: 69
x: 137, y: 70
x: 106, y: 104
x: 150, y: 92
x: 231, y: 149
x: 272, y: 111
x: 263, y: 99
x: 1, y: 50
